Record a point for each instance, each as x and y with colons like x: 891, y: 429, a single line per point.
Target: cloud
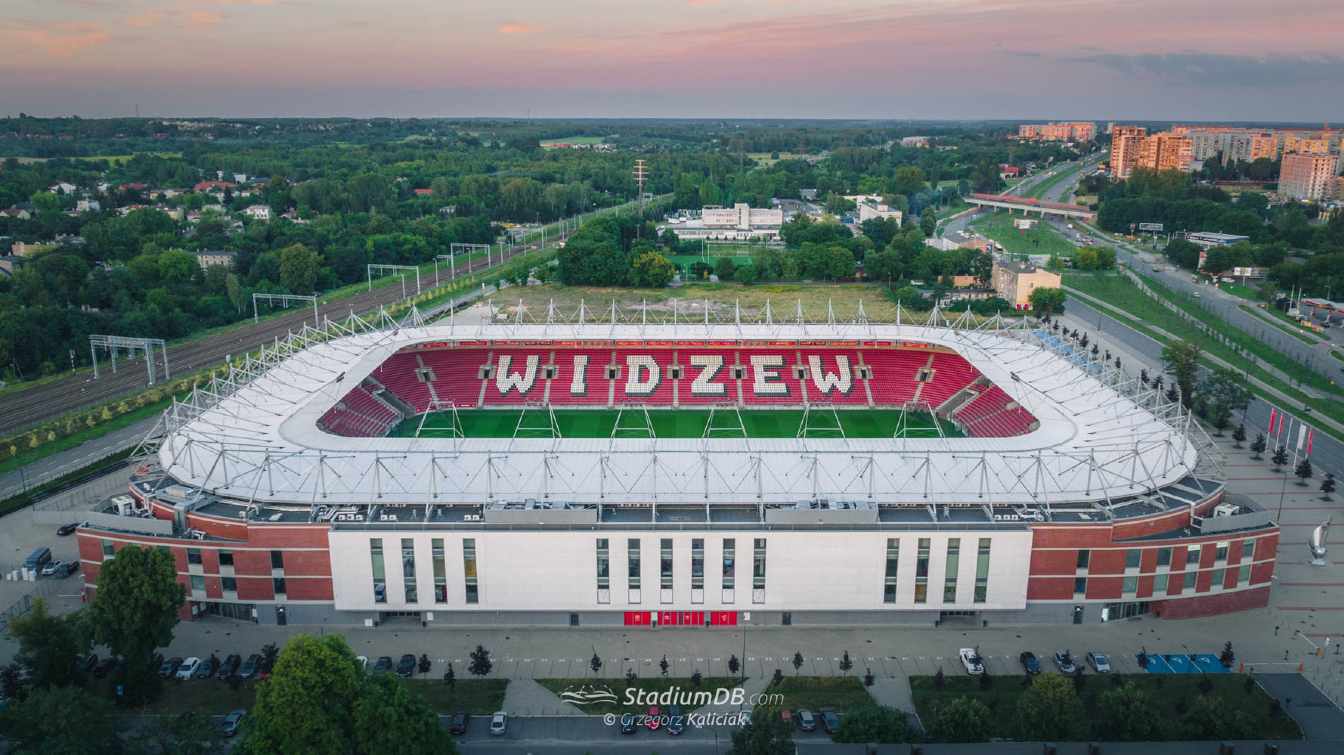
x: 513, y: 27
x: 60, y: 40
x: 1217, y: 70
x: 203, y: 18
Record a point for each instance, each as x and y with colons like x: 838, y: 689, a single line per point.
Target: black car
x: 1030, y: 664
x: 629, y: 727
x: 830, y: 720
x: 384, y: 663
x: 105, y: 666
x: 250, y: 667
x: 676, y: 721
x: 406, y: 666
x: 66, y: 529
x: 169, y: 668
x: 458, y: 723
x: 230, y: 666
x: 207, y: 668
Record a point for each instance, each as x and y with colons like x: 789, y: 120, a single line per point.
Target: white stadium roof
x: 254, y: 436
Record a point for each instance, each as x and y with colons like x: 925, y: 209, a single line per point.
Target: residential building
x: 1165, y: 150
x: 21, y: 211
x: 88, y: 205
x: 1007, y: 171
x: 870, y: 210
x: 1014, y: 281
x: 1227, y: 144
x: 258, y: 212
x: 1125, y: 144
x: 1067, y: 131
x: 1308, y: 176
x: 29, y: 248
x: 916, y: 142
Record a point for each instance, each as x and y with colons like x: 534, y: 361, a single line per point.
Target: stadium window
x: 1164, y: 557
x: 603, y: 571
x: 1083, y: 557
x: 982, y: 571
x: 197, y: 583
x: 893, y: 561
x: 469, y: 570
x: 665, y: 563
x: 226, y: 558
x: 729, y: 564
x: 1132, y: 558
x: 379, y: 570
x: 440, y: 570
x: 1080, y: 586
x: 486, y: 371
x: 1129, y: 585
x: 1219, y: 578
x: 278, y: 586
x: 277, y: 560
x: 1187, y: 580
x: 865, y: 372
x: 1220, y: 551
x: 194, y: 556
x: 758, y: 571
x: 698, y: 564
x: 1160, y: 584
x: 408, y: 570
x: 1191, y: 556
x: 548, y: 372
x: 922, y: 571
x: 800, y: 372
x: 632, y: 563
x: 230, y: 584
x: 108, y: 550
x: 1244, y: 575
x: 950, y: 575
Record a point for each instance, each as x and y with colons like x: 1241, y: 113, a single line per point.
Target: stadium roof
x: 254, y: 436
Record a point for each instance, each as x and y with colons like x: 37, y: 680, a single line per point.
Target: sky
x: 1213, y: 60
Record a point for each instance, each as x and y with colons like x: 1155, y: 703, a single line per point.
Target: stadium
x: 587, y: 471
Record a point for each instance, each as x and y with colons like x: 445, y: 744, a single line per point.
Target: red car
x: 652, y: 720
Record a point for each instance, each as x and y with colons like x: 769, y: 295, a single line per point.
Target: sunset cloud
x: 513, y: 27
x: 59, y: 40
x: 203, y: 18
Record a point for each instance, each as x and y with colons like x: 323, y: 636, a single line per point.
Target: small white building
x: 876, y: 210
x: 741, y: 222
x: 258, y: 212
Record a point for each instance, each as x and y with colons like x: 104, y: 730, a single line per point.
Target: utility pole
x: 641, y: 176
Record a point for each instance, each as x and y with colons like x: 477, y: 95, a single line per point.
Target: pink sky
x: 1177, y: 59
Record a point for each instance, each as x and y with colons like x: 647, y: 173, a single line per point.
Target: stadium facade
x: 1046, y: 487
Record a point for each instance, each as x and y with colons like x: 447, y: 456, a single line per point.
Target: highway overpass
x: 1028, y: 205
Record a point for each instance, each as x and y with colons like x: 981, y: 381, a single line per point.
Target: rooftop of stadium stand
x: 1098, y: 442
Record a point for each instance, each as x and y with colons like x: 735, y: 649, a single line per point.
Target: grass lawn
x: 1116, y: 290
x: 1168, y: 692
x: 672, y: 423
x: 475, y: 696
x: 816, y: 692
x: 617, y: 687
x: 1042, y: 238
x: 1284, y: 323
x: 214, y: 697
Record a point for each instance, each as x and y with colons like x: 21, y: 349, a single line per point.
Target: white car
x: 188, y: 668
x: 972, y: 661
x: 499, y: 723
x: 1099, y: 662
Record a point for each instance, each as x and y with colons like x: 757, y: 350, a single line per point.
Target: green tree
x: 299, y: 268
x: 746, y: 275
x: 1182, y: 361
x: 184, y: 734
x: 1208, y: 718
x: 480, y: 662
x: 48, y: 645
x: 1128, y: 714
x: 1046, y: 301
x: 134, y: 611
x: 1050, y: 709
x: 725, y: 268
x: 651, y: 270
x: 390, y: 720
x: 928, y: 221
x: 306, y: 705
x: 960, y: 719
x: 1303, y: 471
x: 882, y: 266
x: 765, y: 734
x: 874, y: 723
x: 60, y: 722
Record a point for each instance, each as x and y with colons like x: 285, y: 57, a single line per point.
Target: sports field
x: 674, y: 423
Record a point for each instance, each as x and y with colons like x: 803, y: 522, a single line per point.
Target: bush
x: 746, y: 275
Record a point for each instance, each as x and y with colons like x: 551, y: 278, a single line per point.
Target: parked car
x: 629, y: 725
x: 57, y: 569
x: 188, y: 668
x: 406, y: 666
x: 250, y: 666
x: 676, y: 721
x: 830, y: 720
x: 208, y: 668
x: 384, y: 663
x: 105, y: 667
x: 1099, y: 662
x: 229, y: 666
x: 654, y: 718
x: 1030, y: 663
x: 229, y: 726
x: 458, y: 723
x: 499, y: 723
x: 970, y: 658
x: 169, y: 667
x: 1064, y: 662
x: 806, y: 721
x: 67, y: 529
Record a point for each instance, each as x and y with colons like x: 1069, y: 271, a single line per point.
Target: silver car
x: 1099, y: 662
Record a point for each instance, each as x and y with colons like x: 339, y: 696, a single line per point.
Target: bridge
x: 1028, y: 205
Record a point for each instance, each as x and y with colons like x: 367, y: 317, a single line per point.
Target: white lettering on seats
x: 642, y: 375
x: 710, y: 364
x: 826, y: 381
x: 767, y: 382
x: 522, y: 382
x: 577, y: 384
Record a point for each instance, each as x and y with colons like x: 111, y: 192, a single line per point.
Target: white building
x: 869, y: 210
x: 258, y: 212
x: 741, y: 222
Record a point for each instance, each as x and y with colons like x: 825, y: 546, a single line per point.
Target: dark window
x: 230, y: 584
x: 1083, y: 557
x: 194, y: 556
x: 278, y: 584
x: 277, y: 560
x: 226, y: 558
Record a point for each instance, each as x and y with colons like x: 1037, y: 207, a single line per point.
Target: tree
x: 306, y: 705
x: 1258, y: 446
x: 651, y: 270
x: 961, y: 719
x: 1280, y: 458
x: 388, y: 718
x: 480, y: 662
x: 48, y: 645
x: 134, y: 611
x: 595, y: 663
x: 1239, y: 435
x: 1182, y: 361
x: 845, y: 663
x: 1128, y: 714
x: 299, y: 267
x: 270, y: 652
x: 424, y: 665
x: 765, y: 734
x: 1208, y: 718
x: 734, y: 665
x: 663, y: 665
x: 928, y: 221
x: 725, y: 268
x: 1050, y: 709
x: 450, y: 676
x: 875, y: 724
x: 776, y: 677
x: 697, y: 678
x: 1047, y: 301
x: 184, y: 734
x: 797, y: 662
x: 66, y: 721
x: 1303, y: 471
x: 1327, y: 486
x: 631, y: 678
x: 746, y: 275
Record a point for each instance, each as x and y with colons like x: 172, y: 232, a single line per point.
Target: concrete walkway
x: 525, y: 697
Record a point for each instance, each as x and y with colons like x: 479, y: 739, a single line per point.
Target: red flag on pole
x: 1310, y: 435
x: 1273, y: 416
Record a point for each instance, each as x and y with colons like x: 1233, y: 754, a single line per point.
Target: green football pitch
x: 674, y: 423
